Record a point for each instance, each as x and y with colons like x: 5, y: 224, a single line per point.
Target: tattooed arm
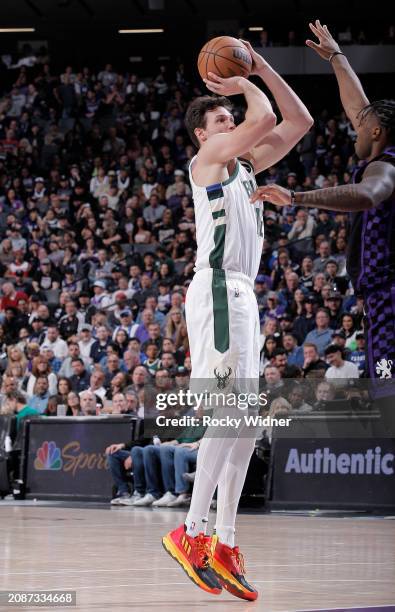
x: 378, y: 184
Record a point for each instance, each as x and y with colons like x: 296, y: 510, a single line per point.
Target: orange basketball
x: 225, y: 56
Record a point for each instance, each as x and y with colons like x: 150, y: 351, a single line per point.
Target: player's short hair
x: 195, y: 116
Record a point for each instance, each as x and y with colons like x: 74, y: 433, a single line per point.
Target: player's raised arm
x: 377, y: 185
x: 259, y: 121
x: 296, y: 119
x: 351, y: 91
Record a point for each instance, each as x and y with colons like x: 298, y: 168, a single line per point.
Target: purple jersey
x: 371, y: 246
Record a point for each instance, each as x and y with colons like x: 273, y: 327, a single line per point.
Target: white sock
x: 212, y: 456
x: 226, y: 534
x: 195, y: 524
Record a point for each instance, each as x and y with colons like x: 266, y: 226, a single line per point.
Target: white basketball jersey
x: 229, y: 228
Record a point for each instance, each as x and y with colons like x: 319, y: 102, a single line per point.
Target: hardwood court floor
x: 113, y: 558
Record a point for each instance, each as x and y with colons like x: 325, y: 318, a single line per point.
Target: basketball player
x: 370, y: 199
x: 221, y: 307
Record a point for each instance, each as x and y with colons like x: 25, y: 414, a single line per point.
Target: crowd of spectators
x: 98, y: 241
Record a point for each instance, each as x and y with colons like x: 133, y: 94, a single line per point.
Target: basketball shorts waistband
x: 228, y: 274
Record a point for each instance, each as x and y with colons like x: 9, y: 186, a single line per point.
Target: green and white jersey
x: 229, y: 229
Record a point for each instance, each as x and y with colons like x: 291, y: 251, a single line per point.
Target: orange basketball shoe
x: 195, y: 556
x: 228, y: 565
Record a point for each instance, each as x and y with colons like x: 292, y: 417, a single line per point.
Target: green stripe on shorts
x: 221, y: 311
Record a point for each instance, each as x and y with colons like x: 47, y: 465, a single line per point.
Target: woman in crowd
x: 64, y: 388
x: 141, y: 233
x: 272, y: 342
x: 349, y: 329
x: 174, y: 320
x: 41, y: 367
x: 73, y: 404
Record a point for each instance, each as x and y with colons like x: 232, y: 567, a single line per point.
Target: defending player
x: 371, y: 199
x: 221, y: 307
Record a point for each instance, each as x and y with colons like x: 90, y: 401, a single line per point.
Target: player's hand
x: 230, y: 86
x: 258, y: 62
x: 327, y: 44
x: 272, y: 193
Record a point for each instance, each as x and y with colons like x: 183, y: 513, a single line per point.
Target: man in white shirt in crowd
x: 56, y: 343
x: 86, y: 341
x: 127, y: 324
x: 339, y: 369
x: 96, y: 383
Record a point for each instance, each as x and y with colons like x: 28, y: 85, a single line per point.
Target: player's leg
x: 188, y: 544
x: 228, y: 562
x: 380, y: 332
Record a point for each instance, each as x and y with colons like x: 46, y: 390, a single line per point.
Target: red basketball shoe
x: 195, y: 556
x: 228, y: 565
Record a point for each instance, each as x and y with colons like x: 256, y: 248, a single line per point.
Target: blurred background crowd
x: 98, y: 242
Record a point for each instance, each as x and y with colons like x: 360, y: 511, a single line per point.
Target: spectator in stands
x: 321, y: 335
x: 297, y: 399
x: 323, y: 257
x: 324, y: 392
x: 339, y: 283
x: 86, y: 342
x: 348, y: 327
x: 294, y: 352
x: 357, y: 356
x: 41, y: 367
x: 313, y: 366
x: 274, y: 383
x: 66, y: 369
x: 80, y: 378
x: 334, y: 305
x: 64, y: 389
x: 57, y: 344
x: 39, y: 399
x: 99, y: 347
x: 73, y: 404
x: 88, y: 401
x: 339, y: 369
x: 303, y: 227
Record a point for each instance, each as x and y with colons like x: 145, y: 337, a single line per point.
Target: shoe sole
x: 230, y: 584
x: 172, y: 550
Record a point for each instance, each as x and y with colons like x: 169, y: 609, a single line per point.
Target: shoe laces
x: 239, y: 559
x: 204, y: 549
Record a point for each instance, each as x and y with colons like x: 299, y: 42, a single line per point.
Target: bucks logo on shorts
x: 222, y: 379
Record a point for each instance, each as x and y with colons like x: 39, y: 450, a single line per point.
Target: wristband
x: 293, y: 202
x: 330, y: 58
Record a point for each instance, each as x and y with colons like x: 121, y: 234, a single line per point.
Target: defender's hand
x: 224, y: 87
x: 272, y: 193
x: 327, y: 44
x: 258, y: 62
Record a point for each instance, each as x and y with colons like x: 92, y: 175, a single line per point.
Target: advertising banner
x: 66, y: 457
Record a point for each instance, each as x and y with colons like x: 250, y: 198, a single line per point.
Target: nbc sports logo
x: 48, y: 457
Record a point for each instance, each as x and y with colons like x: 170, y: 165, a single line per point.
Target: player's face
x: 218, y: 121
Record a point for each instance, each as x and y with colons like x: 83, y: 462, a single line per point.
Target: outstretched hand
x: 272, y: 193
x: 326, y: 43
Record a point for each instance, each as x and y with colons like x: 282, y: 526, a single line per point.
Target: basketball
x: 225, y: 56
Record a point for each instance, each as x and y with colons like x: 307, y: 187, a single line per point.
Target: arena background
x: 91, y: 140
